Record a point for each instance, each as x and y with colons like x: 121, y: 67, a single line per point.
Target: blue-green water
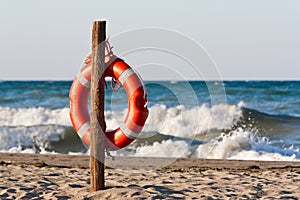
x: 232, y: 119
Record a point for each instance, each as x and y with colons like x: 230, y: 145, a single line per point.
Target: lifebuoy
x: 137, y: 103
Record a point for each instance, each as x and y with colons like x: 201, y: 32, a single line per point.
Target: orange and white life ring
x: 137, y: 103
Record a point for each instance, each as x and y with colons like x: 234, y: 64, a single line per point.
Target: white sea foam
x: 166, y: 148
x: 244, y: 145
x: 177, y: 121
x: 237, y: 145
x: 33, y: 116
x: 26, y: 130
x: 188, y: 122
x: 21, y: 138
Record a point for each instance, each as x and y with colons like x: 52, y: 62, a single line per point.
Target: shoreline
x: 82, y: 161
x: 44, y: 176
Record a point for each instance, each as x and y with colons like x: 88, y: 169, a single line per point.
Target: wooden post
x: 97, y: 134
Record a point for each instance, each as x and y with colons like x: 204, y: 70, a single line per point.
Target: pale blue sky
x: 251, y: 39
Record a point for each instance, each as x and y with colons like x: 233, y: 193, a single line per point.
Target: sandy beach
x: 32, y: 176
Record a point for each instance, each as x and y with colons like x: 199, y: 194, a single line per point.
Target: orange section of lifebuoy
x: 137, y: 104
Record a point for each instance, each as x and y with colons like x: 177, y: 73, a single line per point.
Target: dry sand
x: 25, y: 176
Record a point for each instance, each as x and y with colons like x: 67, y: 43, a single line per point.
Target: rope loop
x: 114, y: 83
x: 108, y: 48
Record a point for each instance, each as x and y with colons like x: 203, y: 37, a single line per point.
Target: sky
x: 243, y: 39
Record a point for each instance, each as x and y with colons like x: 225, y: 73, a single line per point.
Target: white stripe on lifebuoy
x: 86, y: 83
x: 83, y: 129
x: 130, y: 134
x: 124, y: 76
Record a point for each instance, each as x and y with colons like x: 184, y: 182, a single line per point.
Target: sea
x: 248, y: 120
